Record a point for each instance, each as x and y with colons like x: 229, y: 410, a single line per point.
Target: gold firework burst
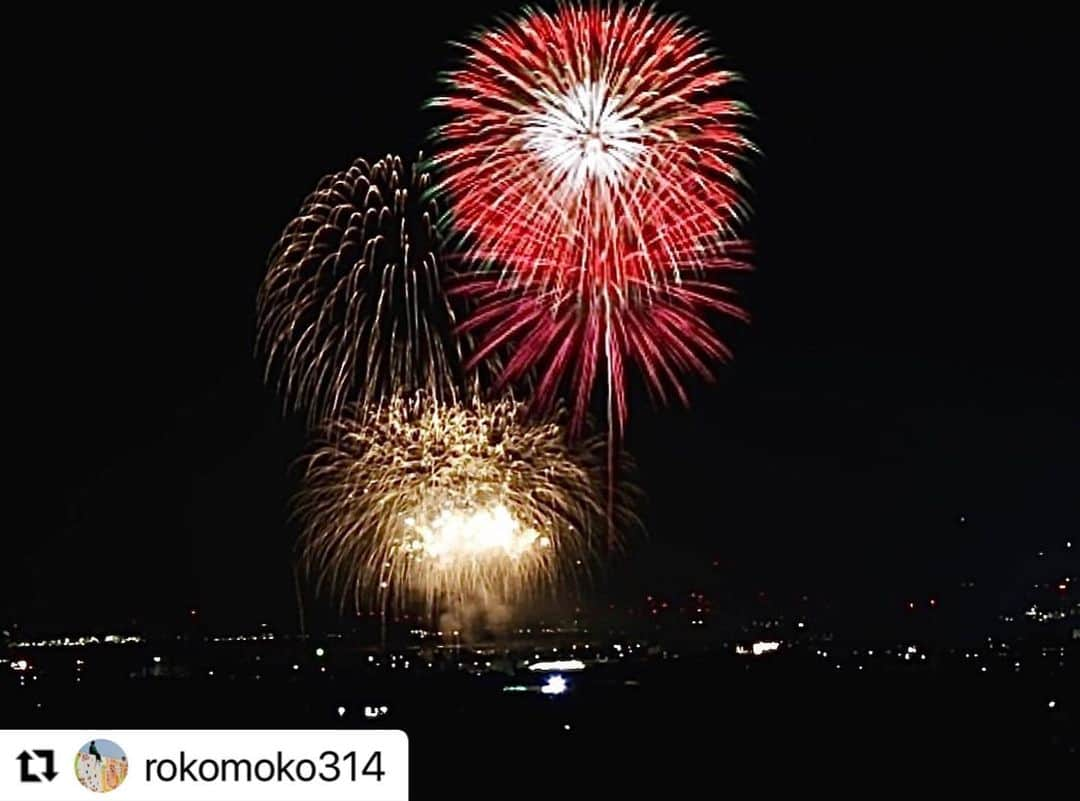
x: 418, y: 500
x: 352, y: 309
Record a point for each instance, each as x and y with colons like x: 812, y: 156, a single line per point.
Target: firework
x: 351, y: 308
x: 592, y: 159
x: 425, y: 501
x: 664, y: 335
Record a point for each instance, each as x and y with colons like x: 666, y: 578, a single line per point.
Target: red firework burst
x: 593, y: 162
x: 664, y: 334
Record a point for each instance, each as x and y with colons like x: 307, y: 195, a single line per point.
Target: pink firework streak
x: 592, y: 164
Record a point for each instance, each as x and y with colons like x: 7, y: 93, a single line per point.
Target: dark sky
x: 912, y: 359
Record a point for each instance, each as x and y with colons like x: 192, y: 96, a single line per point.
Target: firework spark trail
x: 665, y: 336
x: 592, y: 161
x: 352, y: 308
x: 424, y: 501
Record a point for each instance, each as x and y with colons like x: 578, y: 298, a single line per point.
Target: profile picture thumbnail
x: 101, y: 766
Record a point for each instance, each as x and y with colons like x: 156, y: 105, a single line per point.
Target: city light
x: 558, y: 664
x: 555, y: 685
x: 760, y: 648
x: 78, y: 642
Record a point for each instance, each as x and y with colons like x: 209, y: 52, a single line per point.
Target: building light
x: 556, y: 664
x: 555, y: 685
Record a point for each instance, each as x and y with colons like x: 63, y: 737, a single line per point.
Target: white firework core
x: 586, y: 134
x: 484, y: 532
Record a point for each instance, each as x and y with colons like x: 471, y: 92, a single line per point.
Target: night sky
x: 912, y: 358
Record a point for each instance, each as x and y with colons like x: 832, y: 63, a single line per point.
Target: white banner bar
x: 204, y: 765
